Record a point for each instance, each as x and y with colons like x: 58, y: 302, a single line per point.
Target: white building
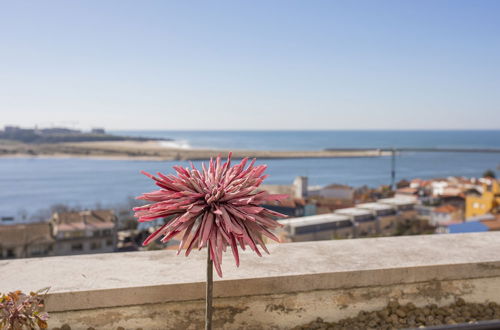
x: 318, y: 227
x: 84, y: 232
x: 404, y: 206
x: 336, y: 191
x: 26, y: 240
x: 386, y: 216
x: 365, y: 221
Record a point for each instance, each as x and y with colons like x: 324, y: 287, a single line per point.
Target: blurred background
x: 350, y: 104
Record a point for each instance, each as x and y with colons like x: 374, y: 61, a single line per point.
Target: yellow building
x: 488, y: 201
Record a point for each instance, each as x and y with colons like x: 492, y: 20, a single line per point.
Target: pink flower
x: 220, y: 204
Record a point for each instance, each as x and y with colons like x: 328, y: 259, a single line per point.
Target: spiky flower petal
x: 219, y: 204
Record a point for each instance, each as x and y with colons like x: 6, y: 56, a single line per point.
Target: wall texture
x: 295, y: 284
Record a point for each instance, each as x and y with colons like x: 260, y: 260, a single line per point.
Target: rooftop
x: 313, y: 220
x: 352, y: 211
x: 374, y: 206
x: 492, y: 224
x: 447, y: 208
x: 80, y: 220
x: 19, y: 234
x: 467, y: 227
x: 407, y: 190
x: 338, y: 186
x: 397, y: 201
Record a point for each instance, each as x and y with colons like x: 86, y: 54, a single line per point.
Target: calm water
x: 27, y: 185
x: 314, y: 140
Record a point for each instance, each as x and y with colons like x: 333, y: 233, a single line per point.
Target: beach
x: 154, y: 150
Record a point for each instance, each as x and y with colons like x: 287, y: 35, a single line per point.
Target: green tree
x: 489, y: 174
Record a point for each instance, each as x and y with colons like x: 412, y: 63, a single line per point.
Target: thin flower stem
x: 209, y: 295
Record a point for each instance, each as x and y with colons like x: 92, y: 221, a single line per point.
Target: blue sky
x: 251, y: 64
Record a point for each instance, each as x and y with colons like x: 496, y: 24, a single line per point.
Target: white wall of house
x: 344, y: 193
x: 438, y: 218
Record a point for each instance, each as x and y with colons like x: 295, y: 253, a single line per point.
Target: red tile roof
x: 493, y: 224
x: 68, y: 221
x: 21, y: 234
x: 407, y: 190
x: 447, y: 208
x: 338, y: 186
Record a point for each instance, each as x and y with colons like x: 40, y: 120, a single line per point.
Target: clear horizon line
x: 306, y: 130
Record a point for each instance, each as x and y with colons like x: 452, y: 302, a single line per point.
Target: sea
x: 30, y: 186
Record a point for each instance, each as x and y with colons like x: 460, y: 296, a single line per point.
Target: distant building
x: 446, y: 214
x: 6, y: 220
x: 455, y: 196
x: 438, y: 186
x: 293, y: 207
x: 300, y: 185
x: 334, y: 191
x: 279, y: 189
x: 403, y: 184
x: 424, y: 211
x: 318, y: 227
x: 492, y: 224
x: 84, y: 232
x: 407, y: 192
x: 58, y: 130
x: 485, y: 222
x: 98, y: 131
x: 386, y: 216
x: 329, y: 205
x: 11, y: 129
x: 365, y: 222
x: 404, y: 206
x: 26, y: 240
x: 296, y: 190
x: 488, y: 201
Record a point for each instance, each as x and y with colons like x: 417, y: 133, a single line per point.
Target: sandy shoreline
x: 154, y: 151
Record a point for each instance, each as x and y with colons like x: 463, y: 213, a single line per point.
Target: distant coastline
x: 62, y: 135
x: 200, y: 145
x: 154, y: 150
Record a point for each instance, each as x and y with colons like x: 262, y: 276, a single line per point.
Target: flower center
x: 213, y: 196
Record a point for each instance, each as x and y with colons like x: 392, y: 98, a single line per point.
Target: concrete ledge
x: 295, y: 284
x: 121, y: 279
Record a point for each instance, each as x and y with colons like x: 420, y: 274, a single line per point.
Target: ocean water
x: 28, y: 185
x: 315, y: 140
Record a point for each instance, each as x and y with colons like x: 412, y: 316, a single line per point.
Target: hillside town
x: 38, y: 135
x: 441, y: 205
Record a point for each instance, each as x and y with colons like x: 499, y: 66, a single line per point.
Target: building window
x: 109, y: 242
x: 74, y: 234
x: 95, y: 245
x: 38, y: 250
x: 10, y: 253
x: 77, y: 247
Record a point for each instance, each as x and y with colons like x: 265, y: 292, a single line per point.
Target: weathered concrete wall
x: 296, y: 284
x: 282, y: 311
